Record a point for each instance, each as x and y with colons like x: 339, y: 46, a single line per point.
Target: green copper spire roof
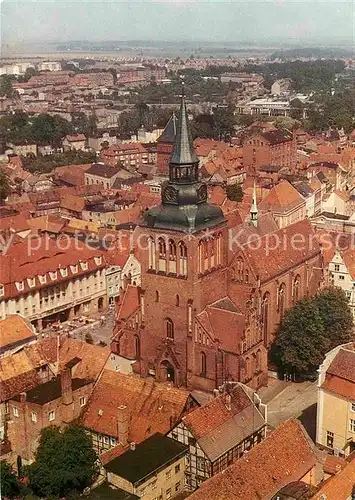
x: 183, y: 152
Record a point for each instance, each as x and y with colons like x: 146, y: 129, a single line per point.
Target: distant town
x: 177, y: 272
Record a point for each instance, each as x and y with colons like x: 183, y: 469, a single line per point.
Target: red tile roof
x: 29, y: 259
x: 153, y: 407
x: 282, y: 197
x: 280, y: 250
x: 285, y: 456
x: 14, y: 329
x: 130, y: 303
x: 340, y: 486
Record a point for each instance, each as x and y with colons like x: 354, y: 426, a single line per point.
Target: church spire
x: 183, y: 153
x: 254, y: 208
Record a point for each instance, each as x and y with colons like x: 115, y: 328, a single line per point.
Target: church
x: 206, y: 312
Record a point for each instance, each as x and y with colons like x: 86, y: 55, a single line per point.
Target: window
x: 182, y: 259
x: 352, y: 406
x: 156, y: 296
x: 2, y: 290
x: 168, y: 493
x: 169, y: 328
x: 51, y: 416
x: 200, y: 463
x: 19, y: 285
x: 82, y: 401
x: 342, y: 277
x: 192, y: 441
x: 281, y: 299
x: 352, y: 425
x: 42, y: 278
x: 34, y: 416
x: 177, y: 301
x: 106, y: 440
x: 31, y: 282
x: 296, y: 289
x: 137, y: 346
x: 177, y: 486
x: 74, y: 269
x: 337, y: 268
x: 177, y: 468
x: 98, y: 260
x: 84, y: 266
x: 64, y: 272
x: 113, y: 441
x: 203, y: 364
x: 330, y: 439
x: 168, y: 474
x: 53, y: 275
x: 154, y: 485
x: 15, y: 411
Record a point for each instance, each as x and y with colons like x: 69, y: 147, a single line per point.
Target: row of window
x: 51, y: 414
x: 171, y: 258
x: 53, y: 275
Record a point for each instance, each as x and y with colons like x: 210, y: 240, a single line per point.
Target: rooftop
x: 285, y: 456
x: 148, y: 457
x: 14, y: 330
x: 49, y: 391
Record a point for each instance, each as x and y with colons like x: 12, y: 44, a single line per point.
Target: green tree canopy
x: 65, y: 462
x: 4, y: 186
x: 9, y: 484
x: 310, y: 329
x: 6, y: 88
x: 235, y: 192
x: 336, y: 316
x: 300, y: 342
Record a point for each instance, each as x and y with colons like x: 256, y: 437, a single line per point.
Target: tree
x: 4, y: 186
x: 6, y: 88
x: 336, y: 316
x: 65, y: 462
x: 300, y: 342
x: 10, y: 486
x: 224, y: 122
x: 235, y: 192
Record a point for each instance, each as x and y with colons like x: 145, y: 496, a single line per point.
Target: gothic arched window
x: 265, y: 313
x: 177, y: 301
x: 203, y: 364
x: 219, y: 249
x: 137, y: 347
x: 162, y: 254
x: 296, y: 288
x: 281, y: 297
x: 182, y: 258
x: 169, y: 328
x: 156, y: 296
x: 172, y: 257
x: 151, y: 253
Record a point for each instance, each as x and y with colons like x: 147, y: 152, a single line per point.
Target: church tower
x: 184, y: 265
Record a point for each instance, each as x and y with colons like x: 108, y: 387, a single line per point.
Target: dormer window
x: 74, y: 269
x: 64, y: 272
x: 84, y: 266
x: 2, y: 290
x: 31, y: 282
x: 20, y: 285
x: 42, y: 278
x: 53, y: 275
x: 98, y: 260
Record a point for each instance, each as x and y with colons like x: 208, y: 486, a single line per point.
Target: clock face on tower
x: 170, y: 194
x: 202, y: 193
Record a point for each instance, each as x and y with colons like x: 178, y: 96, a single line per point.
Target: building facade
x: 46, y: 284
x: 336, y: 401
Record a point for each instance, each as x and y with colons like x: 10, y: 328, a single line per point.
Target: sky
x: 179, y: 20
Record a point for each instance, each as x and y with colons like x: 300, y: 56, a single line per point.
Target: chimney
x: 123, y: 424
x: 22, y: 397
x: 66, y: 386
